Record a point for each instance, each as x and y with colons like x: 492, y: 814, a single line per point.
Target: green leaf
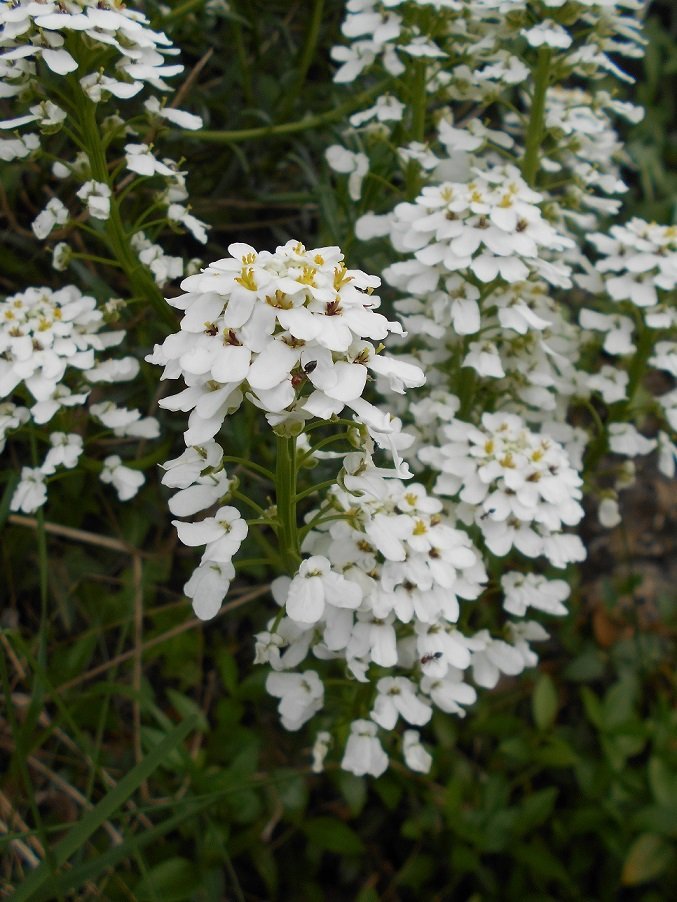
x: 556, y: 753
x: 172, y: 880
x: 619, y: 703
x: 333, y: 836
x: 12, y: 482
x: 656, y: 819
x: 106, y: 808
x: 544, y: 702
x: 367, y: 894
x: 588, y: 666
x: 187, y: 707
x: 227, y: 666
x: 540, y: 860
x: 353, y: 790
x: 593, y: 707
x: 663, y: 782
x: 90, y: 870
x: 648, y: 857
x: 536, y: 809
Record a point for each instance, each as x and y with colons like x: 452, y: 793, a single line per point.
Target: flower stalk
x: 534, y: 135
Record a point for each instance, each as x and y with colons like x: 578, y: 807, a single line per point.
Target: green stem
x: 318, y: 521
x: 43, y: 563
x: 534, y: 136
x: 330, y: 439
x: 92, y: 258
x: 420, y: 101
x: 245, y: 70
x: 318, y: 487
x: 307, y: 54
x: 239, y: 496
x: 285, y: 493
x: 183, y: 9
x: 140, y: 279
x: 250, y: 465
x: 419, y: 105
x: 289, y: 128
x: 637, y: 368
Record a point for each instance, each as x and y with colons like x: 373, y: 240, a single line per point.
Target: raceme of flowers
x: 291, y: 330
x: 483, y: 264
x: 400, y: 594
x: 113, y: 53
x: 287, y: 332
x: 52, y: 354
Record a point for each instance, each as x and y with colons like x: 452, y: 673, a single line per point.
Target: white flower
x: 43, y: 333
x: 179, y: 214
x: 126, y: 422
x: 141, y: 160
x: 397, y: 696
x: 11, y: 417
x: 186, y: 469
x: 176, y: 117
x: 415, y: 756
x: 222, y: 534
x: 126, y: 481
x: 98, y: 86
x: 320, y: 748
x: 547, y: 33
x: 625, y: 439
x: 355, y: 165
x: 492, y: 658
x: 65, y: 452
x: 97, y: 195
x: 301, y: 696
x: 450, y: 692
x: 524, y: 590
x: 18, y: 148
x: 315, y: 585
x: 61, y: 256
x: 208, y: 586
x: 608, y: 513
x: 55, y: 213
x: 665, y: 357
x: 484, y: 358
x: 364, y: 753
x: 31, y: 492
x: 667, y: 455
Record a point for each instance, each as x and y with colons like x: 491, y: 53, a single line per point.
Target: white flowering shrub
x: 403, y: 456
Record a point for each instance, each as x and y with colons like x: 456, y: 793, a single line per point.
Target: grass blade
x: 107, y: 807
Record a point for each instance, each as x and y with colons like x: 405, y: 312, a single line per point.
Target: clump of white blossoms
x: 293, y: 331
x: 638, y: 261
x: 53, y: 348
x: 490, y: 226
x: 520, y: 487
x: 484, y: 244
x: 35, y: 30
x: 99, y: 55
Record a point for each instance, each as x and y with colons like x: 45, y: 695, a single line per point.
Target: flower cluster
x: 290, y: 333
x: 51, y: 356
x: 292, y: 330
x: 38, y: 31
x: 383, y: 588
x: 483, y: 265
x: 109, y: 53
x: 519, y: 487
x: 489, y: 226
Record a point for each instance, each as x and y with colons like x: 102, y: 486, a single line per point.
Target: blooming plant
x: 399, y: 457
